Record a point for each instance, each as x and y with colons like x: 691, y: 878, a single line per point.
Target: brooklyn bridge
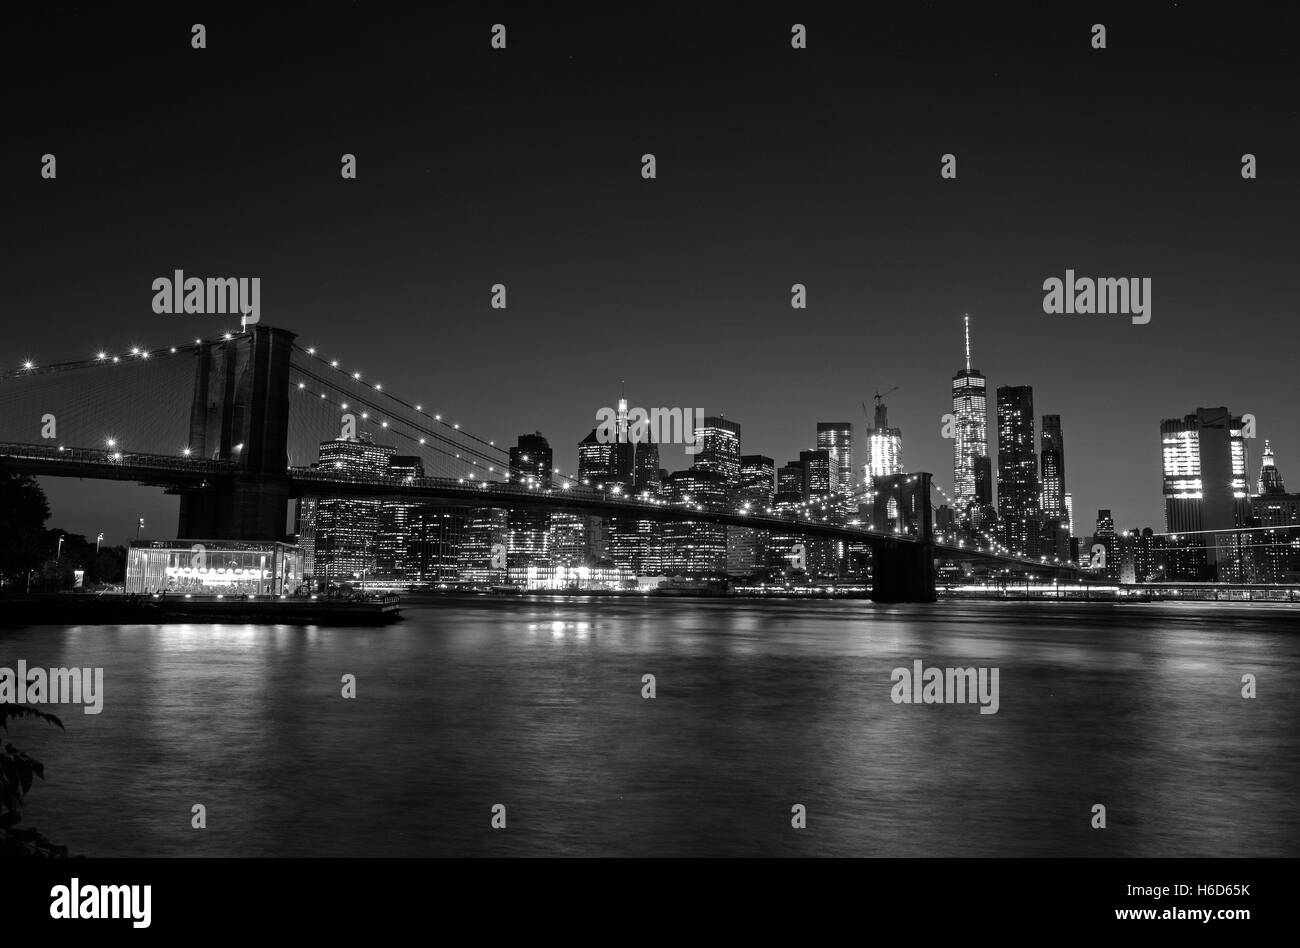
x: 232, y: 426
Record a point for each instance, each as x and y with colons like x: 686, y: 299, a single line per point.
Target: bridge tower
x: 240, y: 414
x: 903, y: 570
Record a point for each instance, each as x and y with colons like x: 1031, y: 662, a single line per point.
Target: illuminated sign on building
x: 216, y: 577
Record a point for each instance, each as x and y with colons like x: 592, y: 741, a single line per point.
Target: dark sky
x: 775, y: 166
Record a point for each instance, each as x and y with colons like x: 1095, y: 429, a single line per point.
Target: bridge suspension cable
x: 362, y: 391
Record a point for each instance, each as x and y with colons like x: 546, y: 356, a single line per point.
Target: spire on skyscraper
x: 622, y: 413
x: 1270, y: 478
x: 971, y: 468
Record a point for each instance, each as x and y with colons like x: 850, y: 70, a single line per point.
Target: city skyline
x: 818, y: 431
x: 681, y: 285
x: 149, y: 498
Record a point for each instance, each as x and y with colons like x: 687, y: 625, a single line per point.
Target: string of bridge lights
x: 384, y: 424
x: 423, y: 441
x: 104, y: 357
x: 356, y: 377
x: 139, y: 354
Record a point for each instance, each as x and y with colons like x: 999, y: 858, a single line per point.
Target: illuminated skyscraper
x: 433, y: 552
x: 818, y: 473
x: 694, y: 548
x: 396, y: 520
x: 1279, y: 512
x: 719, y: 450
x: 629, y: 464
x: 1270, y: 479
x: 482, y: 559
x: 757, y: 480
x: 747, y: 548
x: 884, y: 446
x: 1052, y: 469
x: 791, y: 483
x: 531, y: 464
x: 1020, y: 518
x: 346, y: 543
x: 836, y: 439
x: 645, y: 468
x: 1205, y: 488
x: 1103, y: 535
x: 597, y: 463
x: 971, y: 470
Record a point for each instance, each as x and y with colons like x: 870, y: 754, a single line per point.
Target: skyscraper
x: 1053, y: 469
x: 1270, y: 478
x: 347, y: 530
x: 884, y: 446
x: 747, y: 548
x: 1273, y: 508
x: 1205, y: 488
x: 644, y: 465
x: 836, y: 439
x: 531, y: 464
x: 596, y: 460
x: 791, y: 483
x: 971, y: 470
x: 818, y: 473
x: 482, y: 559
x: 757, y: 480
x: 396, y: 521
x: 1052, y: 498
x: 694, y: 548
x: 433, y: 552
x: 1020, y: 518
x: 719, y: 450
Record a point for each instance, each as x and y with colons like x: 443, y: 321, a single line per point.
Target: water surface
x: 538, y: 705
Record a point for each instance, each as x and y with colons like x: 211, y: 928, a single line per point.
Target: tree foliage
x: 17, y: 771
x: 23, y: 512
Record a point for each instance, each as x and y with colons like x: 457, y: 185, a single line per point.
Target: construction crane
x: 880, y: 396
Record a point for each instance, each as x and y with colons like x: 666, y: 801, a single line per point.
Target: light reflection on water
x: 537, y: 705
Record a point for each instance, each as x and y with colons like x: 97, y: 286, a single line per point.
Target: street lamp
x: 138, y: 527
x: 98, y: 540
x: 58, y: 553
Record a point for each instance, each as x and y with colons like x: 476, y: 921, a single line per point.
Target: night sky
x: 775, y: 166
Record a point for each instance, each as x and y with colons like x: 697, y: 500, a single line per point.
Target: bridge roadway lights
x: 903, y: 572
